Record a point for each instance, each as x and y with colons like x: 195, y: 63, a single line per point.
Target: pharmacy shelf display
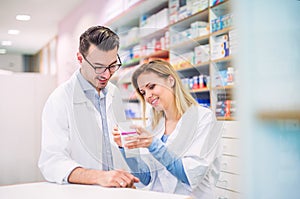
x: 196, y: 36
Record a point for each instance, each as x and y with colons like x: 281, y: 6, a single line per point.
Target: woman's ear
x: 79, y: 57
x: 171, y: 81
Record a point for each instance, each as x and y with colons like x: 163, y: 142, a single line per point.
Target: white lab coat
x: 197, y: 140
x: 72, y: 131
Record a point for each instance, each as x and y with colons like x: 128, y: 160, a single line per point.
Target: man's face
x: 98, y: 58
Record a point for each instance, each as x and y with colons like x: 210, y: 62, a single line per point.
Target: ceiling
x: 36, y: 33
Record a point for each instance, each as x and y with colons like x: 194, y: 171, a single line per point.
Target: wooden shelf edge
x: 226, y: 118
x: 158, y: 54
x: 223, y: 59
x: 279, y: 115
x: 223, y: 87
x: 200, y: 90
x: 220, y: 32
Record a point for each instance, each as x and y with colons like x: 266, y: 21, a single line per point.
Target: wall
x: 12, y: 62
x: 268, y: 71
x: 22, y: 99
x: 89, y: 13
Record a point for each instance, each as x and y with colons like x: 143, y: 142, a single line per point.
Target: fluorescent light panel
x: 2, y: 51
x: 23, y: 17
x: 13, y: 32
x: 6, y: 43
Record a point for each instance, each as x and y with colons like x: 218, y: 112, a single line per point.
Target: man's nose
x: 106, y: 74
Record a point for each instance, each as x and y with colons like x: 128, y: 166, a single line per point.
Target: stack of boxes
x: 219, y: 47
x: 154, y: 22
x: 197, y: 29
x: 221, y: 22
x: 201, y: 54
x: 233, y: 42
x: 180, y: 9
x: 225, y: 107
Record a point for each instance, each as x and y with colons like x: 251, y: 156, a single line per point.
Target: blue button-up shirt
x: 99, y: 102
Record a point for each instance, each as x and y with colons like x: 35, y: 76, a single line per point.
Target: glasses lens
x: 115, y: 67
x: 99, y: 70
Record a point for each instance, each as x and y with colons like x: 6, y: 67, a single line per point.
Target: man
x: 79, y: 116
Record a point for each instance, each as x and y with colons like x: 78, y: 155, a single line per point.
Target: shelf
x: 226, y: 118
x: 132, y: 62
x: 191, y: 43
x: 184, y: 23
x: 157, y: 54
x: 130, y: 45
x: 200, y: 90
x: 158, y: 33
x: 200, y: 68
x: 279, y: 115
x: 223, y: 59
x: 228, y: 87
x: 202, y: 65
x: 223, y: 31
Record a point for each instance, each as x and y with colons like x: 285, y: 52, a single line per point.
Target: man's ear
x: 79, y: 57
x: 171, y: 81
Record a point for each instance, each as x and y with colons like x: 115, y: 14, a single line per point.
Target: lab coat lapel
x: 87, y: 122
x: 114, y: 104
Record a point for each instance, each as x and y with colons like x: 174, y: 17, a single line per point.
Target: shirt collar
x: 86, y: 86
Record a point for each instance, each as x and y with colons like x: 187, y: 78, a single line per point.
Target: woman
x: 182, y: 138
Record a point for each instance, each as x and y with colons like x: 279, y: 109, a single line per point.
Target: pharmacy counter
x: 47, y: 190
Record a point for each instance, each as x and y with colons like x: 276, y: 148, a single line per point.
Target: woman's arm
x: 172, y: 163
x: 138, y: 167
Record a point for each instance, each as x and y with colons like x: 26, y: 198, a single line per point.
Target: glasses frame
x: 105, y: 68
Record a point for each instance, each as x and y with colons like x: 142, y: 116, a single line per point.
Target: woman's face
x: 156, y: 91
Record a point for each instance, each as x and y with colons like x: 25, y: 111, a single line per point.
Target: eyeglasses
x: 101, y: 69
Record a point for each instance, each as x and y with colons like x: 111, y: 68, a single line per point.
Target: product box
x: 173, y: 11
x: 215, y: 2
x: 201, y: 54
x: 199, y: 5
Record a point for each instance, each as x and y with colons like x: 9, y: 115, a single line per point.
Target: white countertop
x: 45, y: 190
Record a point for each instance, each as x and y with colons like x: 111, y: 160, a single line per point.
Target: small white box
x: 126, y: 130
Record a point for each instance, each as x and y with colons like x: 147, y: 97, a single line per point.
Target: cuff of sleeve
x: 65, y: 179
x: 153, y: 145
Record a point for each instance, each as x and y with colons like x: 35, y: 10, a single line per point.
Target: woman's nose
x: 148, y: 95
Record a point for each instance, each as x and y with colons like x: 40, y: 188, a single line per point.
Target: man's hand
x: 114, y: 178
x: 118, y: 178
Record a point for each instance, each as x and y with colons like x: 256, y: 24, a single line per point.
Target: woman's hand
x: 117, y: 136
x: 143, y: 140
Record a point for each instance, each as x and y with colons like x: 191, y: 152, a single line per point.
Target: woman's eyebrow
x: 141, y: 89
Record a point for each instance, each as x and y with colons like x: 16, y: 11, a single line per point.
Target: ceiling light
x: 13, y: 32
x: 23, y: 17
x: 6, y: 43
x: 2, y: 51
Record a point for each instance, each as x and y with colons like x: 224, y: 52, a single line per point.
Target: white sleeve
x: 55, y: 162
x: 202, y: 156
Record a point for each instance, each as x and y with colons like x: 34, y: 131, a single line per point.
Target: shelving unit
x: 181, y: 43
x: 193, y: 40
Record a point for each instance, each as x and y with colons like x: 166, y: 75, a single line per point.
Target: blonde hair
x: 183, y: 99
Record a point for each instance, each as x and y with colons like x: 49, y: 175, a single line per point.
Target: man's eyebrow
x: 97, y: 63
